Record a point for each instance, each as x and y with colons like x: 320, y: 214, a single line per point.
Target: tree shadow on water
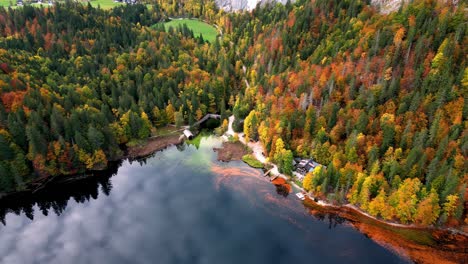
x: 55, y: 196
x: 282, y: 190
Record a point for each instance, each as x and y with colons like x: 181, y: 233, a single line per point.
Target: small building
x: 300, y: 196
x: 188, y: 134
x: 305, y: 166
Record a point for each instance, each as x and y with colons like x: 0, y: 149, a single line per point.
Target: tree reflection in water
x: 333, y: 219
x: 282, y: 190
x: 58, y: 193
x: 56, y: 196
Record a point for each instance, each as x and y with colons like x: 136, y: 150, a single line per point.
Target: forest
x: 379, y: 99
x: 79, y: 83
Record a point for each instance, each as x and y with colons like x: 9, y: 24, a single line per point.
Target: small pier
x: 268, y: 172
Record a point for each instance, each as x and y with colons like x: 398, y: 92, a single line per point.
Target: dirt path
x: 257, y: 149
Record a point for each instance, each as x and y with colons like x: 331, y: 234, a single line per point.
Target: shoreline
x: 150, y: 146
x: 419, y: 244
x: 259, y: 155
x: 446, y: 245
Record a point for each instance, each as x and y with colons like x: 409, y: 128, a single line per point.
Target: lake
x: 178, y: 206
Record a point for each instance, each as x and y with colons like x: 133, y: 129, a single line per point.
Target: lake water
x: 179, y: 206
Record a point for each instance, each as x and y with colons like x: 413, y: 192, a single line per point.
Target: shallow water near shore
x: 179, y: 206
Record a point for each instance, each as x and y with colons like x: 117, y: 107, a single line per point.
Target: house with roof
x: 305, y: 166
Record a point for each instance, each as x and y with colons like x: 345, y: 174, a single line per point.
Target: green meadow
x: 105, y: 4
x: 198, y: 27
x: 7, y: 3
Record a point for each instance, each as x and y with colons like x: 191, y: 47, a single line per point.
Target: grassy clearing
x: 252, y: 161
x: 136, y: 142
x: 167, y: 130
x: 105, y: 4
x: 198, y: 27
x: 7, y: 3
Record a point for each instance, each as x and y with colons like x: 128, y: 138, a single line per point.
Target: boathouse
x: 188, y: 134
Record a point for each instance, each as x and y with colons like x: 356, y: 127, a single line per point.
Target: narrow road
x: 257, y: 149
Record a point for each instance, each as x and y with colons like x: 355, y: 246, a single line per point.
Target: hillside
x: 379, y: 99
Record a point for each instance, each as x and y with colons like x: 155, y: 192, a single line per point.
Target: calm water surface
x: 179, y: 206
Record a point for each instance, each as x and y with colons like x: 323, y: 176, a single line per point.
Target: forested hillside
x: 77, y: 83
x: 377, y: 98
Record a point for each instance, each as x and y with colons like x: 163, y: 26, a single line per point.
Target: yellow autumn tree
x: 251, y: 126
x: 364, y: 195
x: 378, y: 206
x: 405, y: 199
x: 307, y: 182
x: 99, y: 159
x: 170, y: 113
x: 353, y: 195
x: 145, y: 129
x: 428, y: 209
x: 199, y: 114
x: 450, y: 205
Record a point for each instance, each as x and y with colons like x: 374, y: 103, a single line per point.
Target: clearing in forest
x: 198, y: 27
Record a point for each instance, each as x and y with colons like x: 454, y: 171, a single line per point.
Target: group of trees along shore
x: 380, y: 99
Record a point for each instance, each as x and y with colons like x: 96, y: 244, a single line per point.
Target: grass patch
x: 299, y: 183
x: 136, y: 143
x: 105, y: 4
x: 233, y: 139
x: 198, y: 27
x: 167, y: 130
x: 7, y: 3
x: 197, y: 139
x: 252, y: 161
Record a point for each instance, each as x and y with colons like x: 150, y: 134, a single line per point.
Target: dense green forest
x: 379, y: 99
x: 78, y: 83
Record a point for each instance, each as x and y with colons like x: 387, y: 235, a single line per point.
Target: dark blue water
x: 180, y: 206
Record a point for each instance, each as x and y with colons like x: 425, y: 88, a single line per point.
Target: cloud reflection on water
x: 166, y: 211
